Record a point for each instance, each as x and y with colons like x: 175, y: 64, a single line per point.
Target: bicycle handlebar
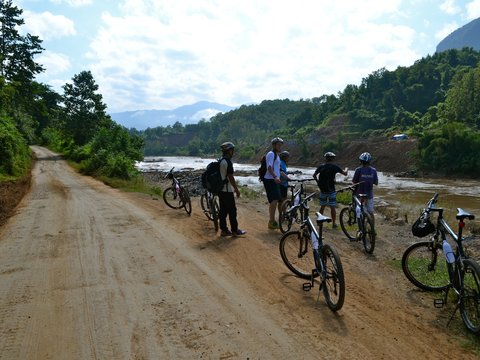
x: 302, y: 180
x: 350, y: 187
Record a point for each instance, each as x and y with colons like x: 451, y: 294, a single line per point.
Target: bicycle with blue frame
x: 357, y: 223
x: 433, y: 265
x: 308, y: 257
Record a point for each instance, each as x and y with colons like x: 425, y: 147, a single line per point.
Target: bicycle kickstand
x: 454, y: 312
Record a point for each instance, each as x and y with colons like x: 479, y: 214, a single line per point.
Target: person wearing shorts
x: 272, y: 181
x: 325, y: 177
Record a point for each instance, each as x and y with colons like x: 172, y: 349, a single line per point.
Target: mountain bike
x: 356, y: 223
x: 324, y: 262
x: 176, y: 196
x: 287, y: 216
x: 210, y: 207
x: 433, y: 266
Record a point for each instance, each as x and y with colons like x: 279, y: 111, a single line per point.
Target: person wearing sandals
x: 226, y: 196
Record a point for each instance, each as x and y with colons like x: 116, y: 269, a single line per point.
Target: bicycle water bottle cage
x: 322, y: 219
x: 462, y: 215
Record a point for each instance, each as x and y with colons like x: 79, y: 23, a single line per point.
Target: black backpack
x: 212, y: 179
x: 262, y: 170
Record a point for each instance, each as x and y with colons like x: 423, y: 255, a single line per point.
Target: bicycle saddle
x: 462, y: 214
x: 321, y: 218
x: 362, y: 196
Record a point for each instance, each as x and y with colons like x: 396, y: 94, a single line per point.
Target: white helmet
x: 365, y: 157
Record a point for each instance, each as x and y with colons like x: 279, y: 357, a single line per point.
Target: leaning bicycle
x: 210, y: 207
x: 176, y: 196
x: 357, y: 223
x: 289, y: 215
x: 433, y: 265
x: 323, y: 262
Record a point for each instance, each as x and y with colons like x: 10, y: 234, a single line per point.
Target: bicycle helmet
x: 227, y: 146
x: 329, y: 155
x: 277, y: 140
x: 365, y: 157
x: 422, y: 227
x: 284, y: 154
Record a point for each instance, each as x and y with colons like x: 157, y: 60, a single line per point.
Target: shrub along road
x: 89, y: 272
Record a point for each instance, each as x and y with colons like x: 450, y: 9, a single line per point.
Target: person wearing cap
x: 367, y: 176
x: 324, y: 175
x: 226, y: 196
x: 272, y: 181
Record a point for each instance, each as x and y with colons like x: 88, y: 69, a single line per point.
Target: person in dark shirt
x: 325, y: 178
x: 367, y: 177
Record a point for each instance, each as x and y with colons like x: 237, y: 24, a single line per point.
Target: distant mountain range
x: 188, y: 114
x: 466, y: 36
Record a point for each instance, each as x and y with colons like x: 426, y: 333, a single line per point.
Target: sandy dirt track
x: 89, y: 272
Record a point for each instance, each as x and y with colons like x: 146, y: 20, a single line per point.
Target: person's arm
x: 345, y: 171
x: 375, y: 178
x: 231, y: 178
x: 270, y: 164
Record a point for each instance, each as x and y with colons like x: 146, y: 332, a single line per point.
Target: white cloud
x: 74, y: 3
x: 473, y: 9
x: 173, y: 53
x: 48, y: 26
x: 446, y: 30
x: 54, y: 63
x: 450, y: 7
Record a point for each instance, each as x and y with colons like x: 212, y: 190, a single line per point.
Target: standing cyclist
x: 368, y: 176
x: 272, y: 180
x: 325, y: 178
x: 284, y: 157
x: 226, y: 197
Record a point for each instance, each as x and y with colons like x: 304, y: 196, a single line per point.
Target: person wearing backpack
x: 226, y: 196
x: 272, y: 180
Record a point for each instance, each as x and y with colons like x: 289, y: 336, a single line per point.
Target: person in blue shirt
x: 284, y: 157
x: 367, y: 177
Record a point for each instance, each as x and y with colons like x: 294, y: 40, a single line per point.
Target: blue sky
x: 162, y: 54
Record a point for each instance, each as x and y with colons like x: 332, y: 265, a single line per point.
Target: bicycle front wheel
x: 215, y: 211
x: 425, y: 266
x: 369, y: 235
x: 205, y: 207
x: 470, y: 296
x: 334, y: 284
x: 294, y: 249
x: 285, y: 218
x: 348, y: 222
x: 187, y: 204
x: 172, y: 198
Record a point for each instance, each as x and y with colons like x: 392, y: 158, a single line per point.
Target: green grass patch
x: 248, y: 193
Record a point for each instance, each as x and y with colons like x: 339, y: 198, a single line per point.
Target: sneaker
x: 226, y: 233
x: 239, y: 232
x: 273, y: 225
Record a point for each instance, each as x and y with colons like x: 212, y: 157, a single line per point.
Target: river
x: 406, y: 192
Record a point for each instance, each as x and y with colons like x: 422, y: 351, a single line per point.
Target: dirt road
x: 88, y: 272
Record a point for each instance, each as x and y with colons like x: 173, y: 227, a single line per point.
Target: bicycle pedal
x: 307, y: 286
x: 438, y: 303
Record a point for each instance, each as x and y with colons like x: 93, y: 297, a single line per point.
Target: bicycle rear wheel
x: 348, y: 222
x: 215, y: 210
x: 187, y: 204
x: 470, y: 296
x: 172, y: 198
x: 294, y: 249
x: 425, y: 266
x: 285, y: 218
x: 369, y: 235
x: 204, y: 205
x: 334, y: 284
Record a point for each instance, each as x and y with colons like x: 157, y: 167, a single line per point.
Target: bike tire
x: 284, y: 218
x: 172, y: 199
x: 348, y: 222
x: 187, y: 203
x: 425, y: 266
x: 470, y: 295
x: 205, y: 208
x: 368, y: 238
x: 296, y: 254
x: 334, y: 284
x: 215, y: 213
